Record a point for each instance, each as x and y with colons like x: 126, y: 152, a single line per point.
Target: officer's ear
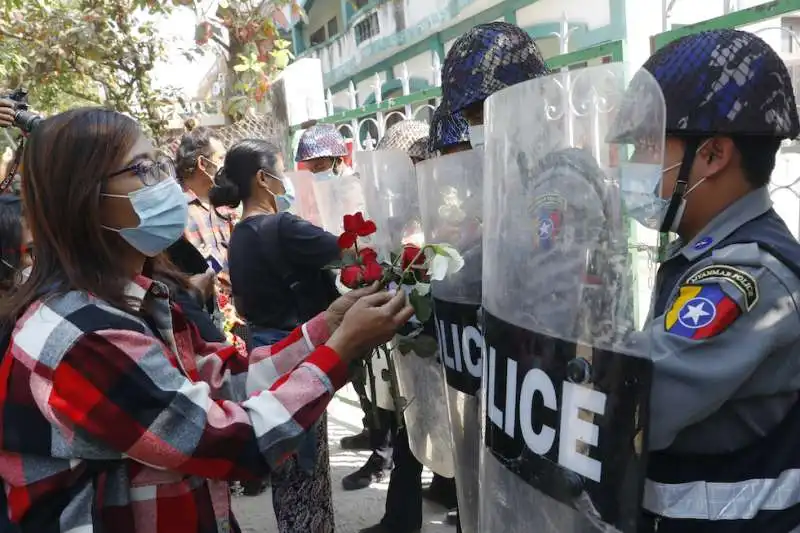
x: 714, y: 156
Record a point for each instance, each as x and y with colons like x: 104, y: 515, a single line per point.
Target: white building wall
x: 448, y: 45
x: 341, y: 100
x: 420, y: 66
x: 577, y: 11
x: 366, y: 87
x: 418, y: 10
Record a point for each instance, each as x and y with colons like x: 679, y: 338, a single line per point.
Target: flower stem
x: 412, y: 263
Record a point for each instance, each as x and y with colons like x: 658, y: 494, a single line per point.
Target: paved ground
x: 354, y: 510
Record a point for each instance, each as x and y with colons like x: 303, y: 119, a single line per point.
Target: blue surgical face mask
x: 285, y: 201
x: 639, y: 185
x: 329, y: 174
x: 476, y: 136
x: 163, y: 213
x: 640, y: 188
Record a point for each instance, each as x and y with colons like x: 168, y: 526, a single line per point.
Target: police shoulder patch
x: 548, y: 211
x: 701, y: 311
x: 738, y: 279
x: 710, y: 300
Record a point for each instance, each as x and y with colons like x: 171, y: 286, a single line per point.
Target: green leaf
x: 423, y: 309
x: 241, y: 68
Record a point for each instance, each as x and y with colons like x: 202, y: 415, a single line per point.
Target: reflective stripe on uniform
x: 701, y: 500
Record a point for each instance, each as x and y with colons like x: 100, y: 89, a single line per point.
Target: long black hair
x: 10, y: 239
x: 234, y: 181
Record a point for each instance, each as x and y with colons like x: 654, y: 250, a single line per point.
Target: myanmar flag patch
x: 701, y: 311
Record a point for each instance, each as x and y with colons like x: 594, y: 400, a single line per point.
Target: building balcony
x: 379, y: 30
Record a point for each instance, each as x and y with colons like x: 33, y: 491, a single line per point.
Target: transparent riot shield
x: 566, y: 374
x: 451, y: 198
x: 336, y: 197
x: 390, y: 189
x: 306, y: 200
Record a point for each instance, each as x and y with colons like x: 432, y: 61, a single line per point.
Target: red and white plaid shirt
x: 209, y: 228
x: 114, y: 423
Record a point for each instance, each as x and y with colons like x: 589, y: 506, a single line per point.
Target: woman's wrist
x: 342, y: 345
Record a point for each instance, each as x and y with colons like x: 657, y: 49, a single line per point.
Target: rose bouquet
x: 411, y: 268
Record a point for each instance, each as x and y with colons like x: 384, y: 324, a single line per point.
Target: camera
x: 23, y: 119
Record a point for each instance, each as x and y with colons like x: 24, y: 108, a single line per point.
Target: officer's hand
x: 8, y: 109
x: 370, y: 322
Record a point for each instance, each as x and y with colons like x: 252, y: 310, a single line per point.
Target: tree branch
x: 221, y: 43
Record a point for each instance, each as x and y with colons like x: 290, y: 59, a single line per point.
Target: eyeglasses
x: 150, y: 172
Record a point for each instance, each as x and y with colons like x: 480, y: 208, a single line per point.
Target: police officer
x: 484, y: 60
x: 407, y: 136
x: 487, y: 58
x: 403, y: 509
x: 322, y: 149
x: 724, y: 327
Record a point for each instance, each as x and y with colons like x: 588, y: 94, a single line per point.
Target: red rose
x: 223, y: 301
x: 347, y: 240
x: 354, y: 227
x: 356, y: 224
x: 368, y: 255
x: 373, y: 271
x: 352, y: 276
x: 411, y: 254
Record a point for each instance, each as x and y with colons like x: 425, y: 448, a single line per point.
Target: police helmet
x: 403, y: 136
x: 322, y: 140
x: 725, y: 82
x: 486, y: 59
x: 447, y: 130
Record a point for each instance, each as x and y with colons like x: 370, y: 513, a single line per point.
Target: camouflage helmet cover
x: 486, y: 59
x: 724, y: 82
x: 403, y: 136
x: 321, y: 140
x: 447, y: 130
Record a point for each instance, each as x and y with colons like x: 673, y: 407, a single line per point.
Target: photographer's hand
x: 8, y: 109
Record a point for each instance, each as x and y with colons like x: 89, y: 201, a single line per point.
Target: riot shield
x: 306, y: 200
x: 566, y: 374
x: 390, y: 190
x: 336, y: 197
x: 451, y: 198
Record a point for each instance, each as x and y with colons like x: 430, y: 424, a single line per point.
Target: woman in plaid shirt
x: 115, y: 416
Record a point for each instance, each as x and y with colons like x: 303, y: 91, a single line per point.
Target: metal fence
x: 368, y: 123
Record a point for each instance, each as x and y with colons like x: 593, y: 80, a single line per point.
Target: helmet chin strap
x: 681, y: 184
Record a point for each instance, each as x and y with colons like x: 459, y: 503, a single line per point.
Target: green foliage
x: 255, y: 49
x: 84, y: 52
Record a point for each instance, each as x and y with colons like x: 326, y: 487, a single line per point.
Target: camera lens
x: 26, y: 121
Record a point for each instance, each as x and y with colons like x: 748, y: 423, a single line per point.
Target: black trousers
x: 404, y: 499
x: 379, y: 424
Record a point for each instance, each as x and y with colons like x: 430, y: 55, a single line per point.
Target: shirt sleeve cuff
x: 316, y: 331
x: 328, y: 361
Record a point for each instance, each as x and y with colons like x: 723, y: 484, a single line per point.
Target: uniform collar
x: 752, y: 205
